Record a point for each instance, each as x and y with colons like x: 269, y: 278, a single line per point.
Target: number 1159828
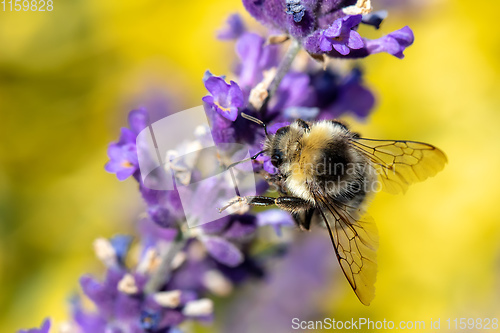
x: 27, y: 5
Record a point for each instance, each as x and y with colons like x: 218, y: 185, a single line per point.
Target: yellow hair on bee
x: 312, y: 144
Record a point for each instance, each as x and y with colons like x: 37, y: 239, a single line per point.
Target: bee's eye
x: 276, y: 160
x: 283, y: 130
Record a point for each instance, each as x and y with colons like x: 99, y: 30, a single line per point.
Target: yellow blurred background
x: 69, y: 77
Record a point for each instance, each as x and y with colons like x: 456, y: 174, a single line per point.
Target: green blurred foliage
x: 68, y: 78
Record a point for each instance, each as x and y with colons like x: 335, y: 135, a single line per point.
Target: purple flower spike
x: 43, y: 329
x: 123, y: 160
x: 394, y: 43
x: 225, y: 98
x: 341, y: 36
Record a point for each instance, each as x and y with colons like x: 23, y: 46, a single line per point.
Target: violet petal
x: 234, y: 29
x: 223, y: 251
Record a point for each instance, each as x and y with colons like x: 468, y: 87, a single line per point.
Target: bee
x: 327, y: 172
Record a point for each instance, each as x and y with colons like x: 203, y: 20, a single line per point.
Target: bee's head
x: 275, y: 146
x: 279, y: 145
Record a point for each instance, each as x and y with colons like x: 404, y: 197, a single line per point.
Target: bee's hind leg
x: 250, y: 200
x: 293, y: 205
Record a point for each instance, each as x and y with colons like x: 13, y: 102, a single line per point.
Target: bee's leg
x: 303, y: 219
x: 250, y: 200
x: 290, y: 204
x: 296, y: 206
x: 301, y: 210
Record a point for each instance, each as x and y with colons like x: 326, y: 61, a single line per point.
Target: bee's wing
x: 401, y: 163
x: 355, y: 240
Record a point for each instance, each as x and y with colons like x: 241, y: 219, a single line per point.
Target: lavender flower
x: 341, y: 36
x: 225, y: 98
x: 164, y: 207
x: 313, y: 14
x: 123, y: 301
x: 123, y: 154
x: 338, y: 95
x: 123, y: 160
x: 323, y: 26
x: 394, y: 43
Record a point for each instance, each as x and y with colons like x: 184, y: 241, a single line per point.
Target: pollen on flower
x: 168, y: 299
x: 127, y: 285
x: 201, y: 307
x: 127, y: 164
x: 360, y: 8
x: 222, y: 108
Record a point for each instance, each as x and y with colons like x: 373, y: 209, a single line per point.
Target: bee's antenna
x: 255, y: 120
x: 246, y: 160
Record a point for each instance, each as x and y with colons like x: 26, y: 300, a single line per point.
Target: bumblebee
x: 327, y: 172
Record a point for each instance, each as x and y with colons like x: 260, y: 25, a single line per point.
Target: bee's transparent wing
x: 401, y: 163
x: 355, y: 240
